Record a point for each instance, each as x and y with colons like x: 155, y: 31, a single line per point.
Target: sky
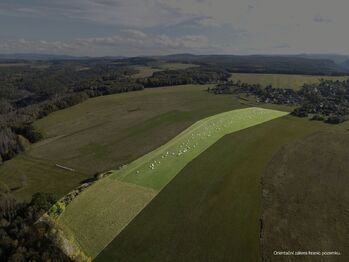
x: 160, y: 27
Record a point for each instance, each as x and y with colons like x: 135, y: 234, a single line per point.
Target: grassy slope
x: 107, y: 218
x: 211, y: 210
x: 106, y: 132
x: 280, y: 80
x: 189, y: 144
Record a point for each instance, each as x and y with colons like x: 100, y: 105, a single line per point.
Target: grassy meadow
x: 149, y: 174
x: 280, y: 80
x: 106, y: 132
x: 211, y: 210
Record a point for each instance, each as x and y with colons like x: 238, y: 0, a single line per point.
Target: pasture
x: 150, y: 174
x: 157, y: 168
x: 211, y: 210
x: 280, y: 80
x: 104, y: 133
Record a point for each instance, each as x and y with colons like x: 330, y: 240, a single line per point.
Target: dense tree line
x: 276, y: 64
x: 22, y: 236
x: 326, y: 101
x: 195, y: 75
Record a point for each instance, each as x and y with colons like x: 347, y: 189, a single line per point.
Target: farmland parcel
x: 100, y: 213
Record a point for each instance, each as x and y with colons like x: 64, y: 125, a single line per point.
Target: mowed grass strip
x: 157, y: 168
x: 281, y: 80
x: 101, y: 212
x: 109, y: 208
x: 210, y: 211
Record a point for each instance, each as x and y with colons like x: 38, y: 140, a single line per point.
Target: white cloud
x: 132, y: 43
x: 268, y: 26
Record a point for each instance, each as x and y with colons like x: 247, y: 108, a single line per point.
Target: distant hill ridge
x: 306, y: 64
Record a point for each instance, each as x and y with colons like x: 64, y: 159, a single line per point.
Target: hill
x: 292, y: 64
x: 106, y: 132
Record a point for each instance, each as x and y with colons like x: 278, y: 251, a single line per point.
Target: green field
x: 210, y: 211
x: 280, y: 80
x: 157, y: 168
x: 104, y: 133
x: 146, y: 71
x: 150, y: 174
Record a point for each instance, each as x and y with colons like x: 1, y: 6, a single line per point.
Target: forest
x: 23, y: 237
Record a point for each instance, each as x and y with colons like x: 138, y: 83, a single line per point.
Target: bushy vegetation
x: 23, y: 237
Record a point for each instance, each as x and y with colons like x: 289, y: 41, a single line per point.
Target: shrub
x: 56, y: 209
x: 317, y: 118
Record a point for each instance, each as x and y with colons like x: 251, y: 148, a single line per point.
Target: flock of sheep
x: 214, y: 127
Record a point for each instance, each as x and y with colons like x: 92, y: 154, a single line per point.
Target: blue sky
x: 158, y: 27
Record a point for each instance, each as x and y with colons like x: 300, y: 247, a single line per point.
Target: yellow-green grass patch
x: 101, y: 212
